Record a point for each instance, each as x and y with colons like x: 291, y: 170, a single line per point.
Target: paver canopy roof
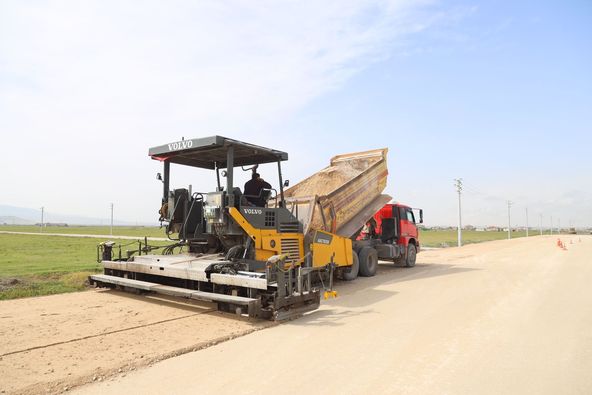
x: 205, y: 152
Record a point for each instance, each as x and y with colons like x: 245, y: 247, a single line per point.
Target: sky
x: 497, y: 93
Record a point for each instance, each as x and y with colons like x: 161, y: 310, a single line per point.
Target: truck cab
x: 393, y: 233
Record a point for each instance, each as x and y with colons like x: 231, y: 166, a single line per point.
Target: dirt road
x: 499, y: 317
x: 55, y: 342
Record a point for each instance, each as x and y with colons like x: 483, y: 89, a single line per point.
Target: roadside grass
x: 46, y: 284
x: 36, y: 265
x: 448, y: 238
x: 139, y: 231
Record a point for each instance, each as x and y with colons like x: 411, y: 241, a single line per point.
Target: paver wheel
x: 237, y: 252
x: 351, y: 272
x: 368, y: 261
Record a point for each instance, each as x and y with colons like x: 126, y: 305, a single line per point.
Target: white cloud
x: 87, y: 87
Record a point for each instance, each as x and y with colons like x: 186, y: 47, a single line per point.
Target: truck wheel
x: 350, y: 273
x: 411, y: 255
x: 368, y: 261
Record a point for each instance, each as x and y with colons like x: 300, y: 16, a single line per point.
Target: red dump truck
x: 346, y: 198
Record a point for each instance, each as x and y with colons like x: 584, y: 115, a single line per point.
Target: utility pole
x: 526, y: 221
x: 458, y: 185
x: 541, y: 224
x: 509, y: 223
x: 111, y: 219
x: 42, y: 212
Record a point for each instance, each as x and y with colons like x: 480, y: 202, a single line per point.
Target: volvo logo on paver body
x: 253, y: 211
x: 323, y: 238
x: 183, y: 144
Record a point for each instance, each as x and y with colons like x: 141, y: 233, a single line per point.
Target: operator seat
x: 239, y: 198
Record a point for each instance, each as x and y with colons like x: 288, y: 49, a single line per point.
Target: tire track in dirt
x: 53, y: 343
x: 102, y: 334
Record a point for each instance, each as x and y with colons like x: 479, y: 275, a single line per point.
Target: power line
x: 458, y: 183
x: 475, y: 191
x: 467, y: 187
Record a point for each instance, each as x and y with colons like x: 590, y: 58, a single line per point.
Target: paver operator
x: 253, y: 189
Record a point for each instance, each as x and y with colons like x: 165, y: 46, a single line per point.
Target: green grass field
x: 42, y: 265
x: 448, y: 238
x: 140, y: 231
x: 38, y: 265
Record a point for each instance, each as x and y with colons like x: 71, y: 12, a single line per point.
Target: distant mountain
x: 28, y: 216
x: 12, y: 220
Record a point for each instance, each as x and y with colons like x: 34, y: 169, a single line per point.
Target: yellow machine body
x: 269, y: 242
x: 326, y: 247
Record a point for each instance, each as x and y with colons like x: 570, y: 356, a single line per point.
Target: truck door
x: 408, y: 227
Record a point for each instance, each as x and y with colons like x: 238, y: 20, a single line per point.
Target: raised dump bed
x: 344, y: 195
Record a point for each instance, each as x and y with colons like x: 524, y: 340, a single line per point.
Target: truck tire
x: 368, y: 261
x: 411, y: 255
x: 350, y: 273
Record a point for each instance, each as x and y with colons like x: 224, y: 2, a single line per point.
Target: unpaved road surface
x: 499, y: 317
x: 55, y: 342
x: 493, y: 318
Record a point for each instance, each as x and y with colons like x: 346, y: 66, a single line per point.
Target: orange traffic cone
x: 558, y: 242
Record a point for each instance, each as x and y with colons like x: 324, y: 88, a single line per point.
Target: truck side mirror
x: 159, y: 176
x: 286, y: 183
x: 421, y: 216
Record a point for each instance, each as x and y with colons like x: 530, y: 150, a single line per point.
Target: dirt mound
x: 8, y: 283
x: 330, y: 178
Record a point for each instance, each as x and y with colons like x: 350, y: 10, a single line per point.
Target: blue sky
x: 500, y: 97
x: 498, y: 93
